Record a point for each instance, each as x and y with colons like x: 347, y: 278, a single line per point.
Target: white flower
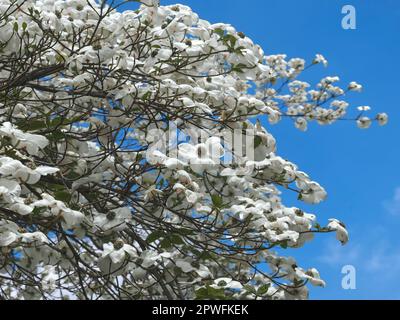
x: 183, y: 177
x: 301, y: 124
x: 9, y: 187
x: 341, y: 232
x: 203, y: 156
x: 328, y: 80
x: 21, y: 208
x: 37, y: 237
x: 113, y: 220
x: 203, y: 271
x: 173, y: 164
x: 227, y: 283
x: 27, y: 175
x: 72, y: 218
x: 261, y: 145
x: 312, y: 275
x: 9, y: 166
x: 363, y: 108
x: 364, y: 122
x: 354, y: 86
x: 7, y: 237
x: 50, y: 278
x: 191, y: 196
x: 45, y: 170
x: 151, y: 193
x: 32, y: 142
x: 118, y: 251
x: 382, y: 118
x: 297, y: 64
x: 114, y: 256
x: 319, y: 58
x: 164, y: 54
x: 184, y: 266
x: 149, y: 258
x: 313, y: 193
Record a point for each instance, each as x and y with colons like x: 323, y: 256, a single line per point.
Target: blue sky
x: 358, y: 168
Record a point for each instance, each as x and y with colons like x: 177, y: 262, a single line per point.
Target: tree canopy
x: 134, y: 158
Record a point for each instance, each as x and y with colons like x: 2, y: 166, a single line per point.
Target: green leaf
x: 263, y: 289
x: 175, y: 239
x: 56, y: 135
x: 185, y: 232
x: 38, y: 210
x: 206, y: 255
x: 239, y: 50
x: 155, y: 235
x: 73, y: 176
x: 217, y: 201
x: 210, y: 293
x: 165, y: 243
x: 33, y: 125
x: 239, y: 67
x: 249, y: 288
x: 55, y: 122
x: 64, y: 196
x: 15, y: 26
x: 219, y: 32
x: 146, y: 96
x: 300, y: 196
x: 231, y: 40
x: 55, y: 187
x: 24, y: 25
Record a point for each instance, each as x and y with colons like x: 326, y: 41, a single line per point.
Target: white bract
x: 382, y: 118
x: 364, y: 122
x: 341, y: 232
x: 135, y: 162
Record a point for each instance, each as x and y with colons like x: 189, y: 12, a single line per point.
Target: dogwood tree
x: 131, y: 162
